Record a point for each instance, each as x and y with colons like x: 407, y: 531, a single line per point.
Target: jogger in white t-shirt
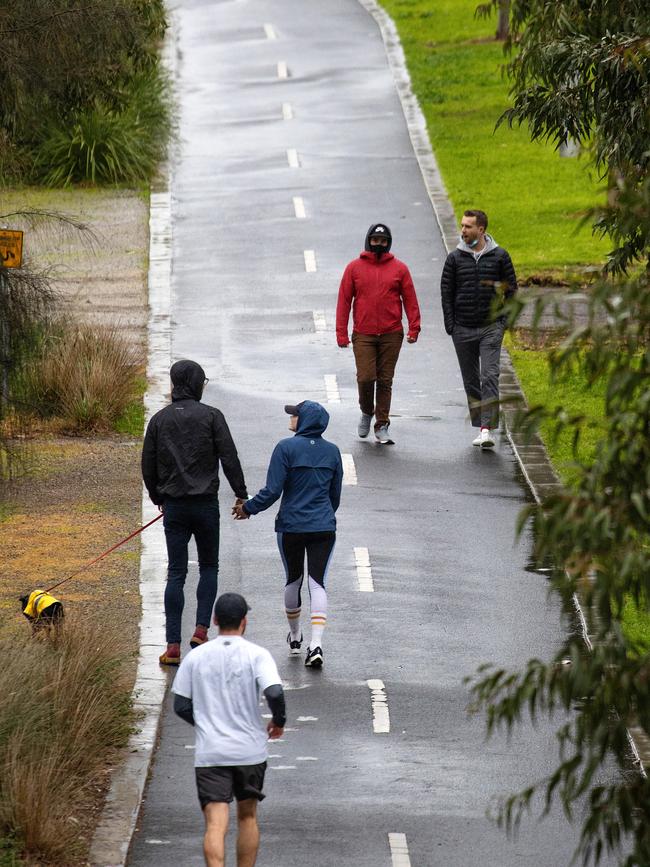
x: 217, y: 689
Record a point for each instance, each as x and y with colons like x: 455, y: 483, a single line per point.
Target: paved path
x: 293, y: 140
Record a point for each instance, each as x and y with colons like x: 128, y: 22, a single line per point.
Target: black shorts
x: 218, y: 784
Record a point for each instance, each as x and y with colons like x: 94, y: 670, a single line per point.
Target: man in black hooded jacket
x: 183, y: 446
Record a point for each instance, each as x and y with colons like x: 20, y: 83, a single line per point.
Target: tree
x: 484, y: 10
x: 581, y: 70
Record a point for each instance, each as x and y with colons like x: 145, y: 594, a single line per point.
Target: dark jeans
x: 479, y: 354
x: 183, y: 518
x: 376, y: 356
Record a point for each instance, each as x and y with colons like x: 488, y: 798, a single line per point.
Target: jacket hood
x: 378, y: 229
x: 490, y: 244
x: 187, y: 378
x: 312, y: 419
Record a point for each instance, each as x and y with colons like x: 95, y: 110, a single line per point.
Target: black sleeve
x: 448, y: 292
x: 184, y: 708
x: 227, y: 454
x: 274, y: 696
x: 508, y: 275
x: 149, y: 463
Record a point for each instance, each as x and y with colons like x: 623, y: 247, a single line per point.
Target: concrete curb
x: 531, y: 455
x: 112, y: 838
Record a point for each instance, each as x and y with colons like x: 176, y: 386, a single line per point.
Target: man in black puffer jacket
x: 183, y: 446
x: 478, y: 276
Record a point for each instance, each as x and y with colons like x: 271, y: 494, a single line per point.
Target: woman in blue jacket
x: 307, y: 472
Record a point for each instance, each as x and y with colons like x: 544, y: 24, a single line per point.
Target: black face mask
x: 377, y: 249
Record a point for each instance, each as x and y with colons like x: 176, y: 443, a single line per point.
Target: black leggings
x: 317, y: 546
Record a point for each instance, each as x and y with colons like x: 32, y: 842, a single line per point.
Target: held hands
x: 274, y: 731
x: 238, y: 512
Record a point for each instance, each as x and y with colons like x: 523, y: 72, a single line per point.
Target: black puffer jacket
x: 469, y: 288
x: 186, y: 440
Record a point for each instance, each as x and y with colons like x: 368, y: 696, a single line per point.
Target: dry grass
x: 87, y: 375
x: 65, y: 709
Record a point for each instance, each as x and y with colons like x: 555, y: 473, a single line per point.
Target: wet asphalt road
x: 451, y: 588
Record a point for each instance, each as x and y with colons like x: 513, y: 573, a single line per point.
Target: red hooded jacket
x: 376, y: 289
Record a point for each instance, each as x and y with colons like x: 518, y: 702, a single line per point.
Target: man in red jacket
x: 377, y: 286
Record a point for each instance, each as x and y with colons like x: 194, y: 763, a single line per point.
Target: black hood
x: 187, y: 378
x: 384, y: 231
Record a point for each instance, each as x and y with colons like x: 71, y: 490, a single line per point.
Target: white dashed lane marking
x: 307, y: 719
x: 332, y: 388
x: 292, y: 158
x: 269, y: 30
x: 283, y: 72
x: 379, y: 702
x: 310, y: 261
x: 399, y: 850
x: 299, y: 208
x: 320, y: 323
x: 287, y: 111
x: 364, y: 570
x: 349, y: 470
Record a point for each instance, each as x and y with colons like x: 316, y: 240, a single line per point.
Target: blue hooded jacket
x: 307, y: 472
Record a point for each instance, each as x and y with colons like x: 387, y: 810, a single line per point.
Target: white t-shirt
x: 225, y: 679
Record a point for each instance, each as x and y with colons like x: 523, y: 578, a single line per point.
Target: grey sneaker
x: 364, y: 425
x: 382, y: 436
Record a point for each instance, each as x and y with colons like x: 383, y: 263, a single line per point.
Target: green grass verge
x: 9, y: 853
x: 535, y: 199
x: 131, y: 422
x: 572, y: 392
x: 579, y: 398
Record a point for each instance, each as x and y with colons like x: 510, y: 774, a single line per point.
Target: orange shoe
x: 172, y: 656
x: 200, y: 636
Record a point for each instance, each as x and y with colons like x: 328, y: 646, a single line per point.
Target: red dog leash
x: 101, y: 556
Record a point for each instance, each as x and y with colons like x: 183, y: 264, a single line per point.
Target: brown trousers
x: 376, y: 356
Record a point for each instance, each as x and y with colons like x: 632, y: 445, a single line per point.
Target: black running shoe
x: 314, y: 658
x: 294, y: 646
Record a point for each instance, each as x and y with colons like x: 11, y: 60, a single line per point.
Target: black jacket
x: 186, y: 440
x: 469, y: 288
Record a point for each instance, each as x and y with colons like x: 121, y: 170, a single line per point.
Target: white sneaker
x: 486, y: 438
x: 382, y: 435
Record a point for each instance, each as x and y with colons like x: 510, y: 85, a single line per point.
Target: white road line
x: 287, y: 111
x: 349, y: 470
x: 399, y: 850
x: 364, y: 570
x: 299, y: 208
x: 332, y: 389
x: 379, y: 701
x: 306, y: 759
x: 283, y: 72
x: 269, y: 30
x: 292, y: 158
x: 310, y: 261
x: 306, y: 719
x: 320, y: 323
x: 283, y: 767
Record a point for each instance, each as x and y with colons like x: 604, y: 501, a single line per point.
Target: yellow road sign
x: 11, y: 248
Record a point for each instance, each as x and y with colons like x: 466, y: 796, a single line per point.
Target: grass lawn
x: 573, y: 393
x: 534, y: 198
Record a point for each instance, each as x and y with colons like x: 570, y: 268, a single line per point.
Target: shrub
x: 85, y: 375
x: 109, y: 145
x: 66, y: 707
